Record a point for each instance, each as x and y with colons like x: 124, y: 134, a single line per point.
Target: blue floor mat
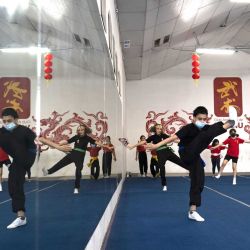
x: 57, y: 219
x: 148, y: 218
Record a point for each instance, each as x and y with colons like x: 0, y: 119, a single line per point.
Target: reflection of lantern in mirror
x: 195, y: 66
x: 48, y: 66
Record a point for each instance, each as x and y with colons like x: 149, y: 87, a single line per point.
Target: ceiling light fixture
x: 213, y: 51
x: 240, y: 1
x: 30, y: 50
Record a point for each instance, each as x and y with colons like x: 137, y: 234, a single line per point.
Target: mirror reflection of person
x: 141, y: 155
x: 19, y: 142
x: 108, y: 152
x: 94, y: 161
x: 4, y: 160
x: 76, y: 155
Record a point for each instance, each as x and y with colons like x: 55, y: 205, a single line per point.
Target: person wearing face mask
x: 233, y: 142
x: 19, y: 142
x: 215, y: 155
x: 164, y: 153
x: 76, y: 156
x: 194, y: 138
x: 142, y: 155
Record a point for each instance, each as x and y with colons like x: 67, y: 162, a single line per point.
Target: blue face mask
x: 200, y: 124
x: 10, y: 126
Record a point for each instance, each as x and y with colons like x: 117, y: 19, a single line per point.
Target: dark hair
x: 153, y: 128
x: 200, y: 110
x: 87, y: 129
x: 10, y: 112
x: 108, y: 137
x: 231, y: 130
x: 142, y: 136
x: 214, y: 142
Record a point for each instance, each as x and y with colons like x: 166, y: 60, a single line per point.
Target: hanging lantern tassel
x: 48, y: 66
x: 195, y: 67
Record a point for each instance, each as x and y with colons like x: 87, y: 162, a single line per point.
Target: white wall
x: 174, y: 90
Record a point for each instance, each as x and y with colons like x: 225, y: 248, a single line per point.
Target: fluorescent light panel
x: 240, y: 1
x: 31, y: 50
x: 212, y: 51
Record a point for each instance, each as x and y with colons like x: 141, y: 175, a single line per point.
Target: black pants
x: 106, y: 163
x: 143, y: 162
x: 167, y: 155
x: 17, y: 172
x: 191, y: 157
x: 73, y: 157
x: 28, y: 173
x: 95, y: 169
x: 154, y: 168
x: 215, y: 163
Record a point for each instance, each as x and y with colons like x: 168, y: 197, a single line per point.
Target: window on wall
x: 110, y: 34
x: 103, y: 13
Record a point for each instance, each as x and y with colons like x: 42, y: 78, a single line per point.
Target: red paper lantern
x: 195, y: 63
x: 48, y: 63
x: 48, y: 70
x: 48, y: 57
x: 195, y: 66
x: 48, y: 66
x: 195, y: 57
x: 196, y: 70
x: 196, y: 76
x: 48, y: 76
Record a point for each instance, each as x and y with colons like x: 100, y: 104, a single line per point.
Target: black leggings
x: 190, y: 154
x: 154, y: 168
x: 167, y: 155
x: 143, y: 162
x: 215, y: 163
x: 77, y: 158
x: 95, y: 169
x: 16, y: 181
x: 106, y: 163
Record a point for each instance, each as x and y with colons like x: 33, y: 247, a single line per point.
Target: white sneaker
x: 232, y: 113
x: 195, y: 216
x: 217, y: 176
x: 234, y: 181
x: 17, y: 223
x: 45, y: 172
x: 164, y: 188
x: 1, y: 188
x: 76, y: 191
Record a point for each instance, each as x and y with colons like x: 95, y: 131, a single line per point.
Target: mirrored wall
x: 56, y: 72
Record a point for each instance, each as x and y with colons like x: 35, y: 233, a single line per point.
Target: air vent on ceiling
x: 126, y: 44
x: 77, y: 38
x: 157, y: 42
x: 166, y: 39
x: 86, y: 42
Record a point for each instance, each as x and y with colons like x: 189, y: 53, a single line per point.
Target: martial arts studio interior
x: 125, y: 124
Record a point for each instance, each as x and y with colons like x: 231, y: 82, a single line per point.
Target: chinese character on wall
x: 227, y: 92
x: 15, y: 93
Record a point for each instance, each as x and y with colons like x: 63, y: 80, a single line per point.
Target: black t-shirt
x: 18, y: 142
x: 187, y: 133
x: 156, y: 138
x: 81, y: 142
x: 23, y: 135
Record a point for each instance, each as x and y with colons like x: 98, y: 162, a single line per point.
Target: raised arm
x: 170, y: 139
x: 217, y: 146
x: 130, y: 146
x: 63, y: 148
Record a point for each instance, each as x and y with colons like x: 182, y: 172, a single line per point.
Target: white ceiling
x: 215, y: 23
x: 76, y: 16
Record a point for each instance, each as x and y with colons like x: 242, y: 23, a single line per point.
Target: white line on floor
x: 224, y: 195
x: 34, y: 190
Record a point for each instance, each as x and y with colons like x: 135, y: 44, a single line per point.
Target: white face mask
x: 200, y: 124
x: 10, y: 126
